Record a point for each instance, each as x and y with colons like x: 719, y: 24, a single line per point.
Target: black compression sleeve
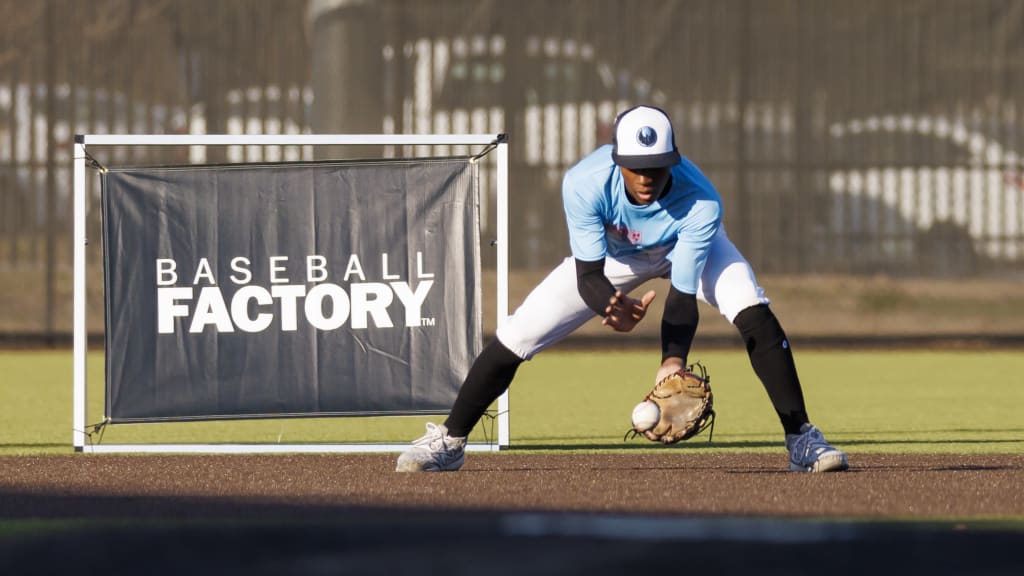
x: 595, y: 288
x: 678, y: 324
x: 489, y: 376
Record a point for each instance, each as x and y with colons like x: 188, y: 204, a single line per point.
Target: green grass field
x: 866, y: 401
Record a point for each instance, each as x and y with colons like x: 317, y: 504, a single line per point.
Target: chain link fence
x: 857, y: 137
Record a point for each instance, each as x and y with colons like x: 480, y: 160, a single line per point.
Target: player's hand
x: 669, y: 365
x: 624, y: 313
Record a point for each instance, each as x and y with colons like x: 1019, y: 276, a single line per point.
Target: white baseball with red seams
x: 645, y: 416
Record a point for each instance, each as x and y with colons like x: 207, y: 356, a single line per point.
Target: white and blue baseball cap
x: 644, y: 139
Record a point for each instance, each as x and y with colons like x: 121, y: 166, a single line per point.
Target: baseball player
x: 637, y: 210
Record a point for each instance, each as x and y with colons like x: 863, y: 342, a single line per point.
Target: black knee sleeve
x: 772, y: 360
x: 489, y: 376
x: 760, y: 328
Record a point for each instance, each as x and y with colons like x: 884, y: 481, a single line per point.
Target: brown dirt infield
x: 877, y: 486
x: 510, y: 513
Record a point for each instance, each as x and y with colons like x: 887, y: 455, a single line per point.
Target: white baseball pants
x: 554, y: 309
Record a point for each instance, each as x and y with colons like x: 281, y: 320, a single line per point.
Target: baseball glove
x: 685, y: 403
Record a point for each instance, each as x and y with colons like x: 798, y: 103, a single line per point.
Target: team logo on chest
x: 634, y: 237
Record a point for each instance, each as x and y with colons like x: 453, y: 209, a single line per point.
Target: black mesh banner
x: 335, y: 288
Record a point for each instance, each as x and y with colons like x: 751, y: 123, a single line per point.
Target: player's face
x: 645, y: 185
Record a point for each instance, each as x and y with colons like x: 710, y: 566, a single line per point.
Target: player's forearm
x: 678, y: 325
x: 594, y: 287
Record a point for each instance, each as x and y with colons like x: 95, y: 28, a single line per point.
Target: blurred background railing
x: 853, y: 137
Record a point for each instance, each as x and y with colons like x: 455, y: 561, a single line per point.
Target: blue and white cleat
x: 809, y: 452
x: 435, y: 451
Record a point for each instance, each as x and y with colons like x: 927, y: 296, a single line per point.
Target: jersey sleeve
x: 693, y: 245
x: 583, y: 218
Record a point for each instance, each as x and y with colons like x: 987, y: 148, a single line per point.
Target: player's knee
x: 735, y: 302
x: 759, y: 327
x: 753, y: 315
x: 499, y: 354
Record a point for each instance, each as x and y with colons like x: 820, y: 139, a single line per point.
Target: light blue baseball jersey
x: 603, y: 222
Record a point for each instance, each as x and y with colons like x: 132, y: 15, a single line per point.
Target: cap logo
x: 647, y: 136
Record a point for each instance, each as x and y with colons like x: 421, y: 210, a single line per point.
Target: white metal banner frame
x: 80, y: 336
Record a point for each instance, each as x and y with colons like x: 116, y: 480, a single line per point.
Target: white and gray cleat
x: 435, y: 451
x: 809, y: 452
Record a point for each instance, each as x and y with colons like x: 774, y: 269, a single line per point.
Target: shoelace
x: 433, y: 440
x: 810, y: 442
x: 433, y: 435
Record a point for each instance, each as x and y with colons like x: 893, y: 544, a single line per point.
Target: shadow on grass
x: 31, y: 446
x: 696, y: 444
x: 645, y: 445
